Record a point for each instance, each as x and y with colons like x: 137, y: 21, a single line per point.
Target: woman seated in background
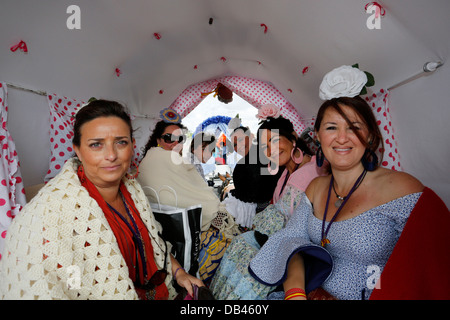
x: 90, y: 233
x: 169, y: 134
x: 163, y: 165
x: 359, y: 222
x: 251, y: 191
x: 289, y: 154
x: 202, y: 147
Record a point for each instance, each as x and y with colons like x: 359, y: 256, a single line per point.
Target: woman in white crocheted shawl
x: 90, y: 232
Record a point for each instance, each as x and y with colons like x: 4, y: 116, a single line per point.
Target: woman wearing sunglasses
x: 90, y: 233
x: 162, y: 166
x: 167, y: 135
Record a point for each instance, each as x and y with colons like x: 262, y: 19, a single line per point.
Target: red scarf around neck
x: 124, y: 236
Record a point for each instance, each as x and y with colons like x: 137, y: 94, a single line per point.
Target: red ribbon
x: 223, y: 59
x: 305, y: 70
x: 265, y: 27
x: 118, y: 72
x: 157, y: 36
x: 21, y: 45
x: 381, y: 11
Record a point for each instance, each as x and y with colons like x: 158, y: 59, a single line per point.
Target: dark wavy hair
x: 157, y: 133
x: 245, y: 130
x: 285, y: 129
x: 97, y: 109
x: 204, y: 139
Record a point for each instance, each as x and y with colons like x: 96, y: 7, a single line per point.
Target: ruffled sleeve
x: 269, y: 266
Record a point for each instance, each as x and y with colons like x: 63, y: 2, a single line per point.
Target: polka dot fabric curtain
x: 380, y: 104
x: 62, y: 111
x: 255, y: 92
x: 12, y: 193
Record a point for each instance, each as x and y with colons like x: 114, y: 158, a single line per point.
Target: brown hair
x: 360, y: 106
x: 157, y: 133
x: 97, y: 109
x: 204, y: 139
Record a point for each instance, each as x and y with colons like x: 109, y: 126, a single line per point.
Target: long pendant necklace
x: 341, y: 199
x: 324, y: 240
x: 136, y: 236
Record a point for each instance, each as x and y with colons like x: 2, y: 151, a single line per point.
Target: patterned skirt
x: 213, y: 246
x: 232, y: 281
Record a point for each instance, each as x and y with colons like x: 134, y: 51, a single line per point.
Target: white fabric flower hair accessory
x: 268, y: 111
x: 345, y: 81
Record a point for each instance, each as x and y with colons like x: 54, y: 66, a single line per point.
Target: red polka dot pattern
x: 12, y: 192
x: 255, y: 92
x: 379, y: 103
x: 62, y: 112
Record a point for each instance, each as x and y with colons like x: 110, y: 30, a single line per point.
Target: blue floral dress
x: 232, y: 280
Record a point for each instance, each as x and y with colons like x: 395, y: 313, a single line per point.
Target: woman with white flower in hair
x: 360, y: 221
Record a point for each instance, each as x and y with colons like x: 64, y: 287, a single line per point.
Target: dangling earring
x: 135, y: 174
x: 81, y: 173
x: 272, y: 171
x: 299, y: 159
x: 369, y: 160
x: 320, y: 157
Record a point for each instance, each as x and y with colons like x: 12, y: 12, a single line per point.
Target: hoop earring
x: 369, y: 160
x: 320, y: 157
x: 272, y: 171
x: 135, y: 174
x: 299, y: 159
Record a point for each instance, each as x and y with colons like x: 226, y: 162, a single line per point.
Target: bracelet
x: 294, y: 292
x: 298, y: 294
x: 175, y: 274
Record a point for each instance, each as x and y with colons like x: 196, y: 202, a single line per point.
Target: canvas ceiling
x: 318, y: 34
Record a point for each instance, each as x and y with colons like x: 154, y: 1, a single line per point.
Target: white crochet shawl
x: 61, y: 246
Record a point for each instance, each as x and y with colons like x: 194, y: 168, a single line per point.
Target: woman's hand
x: 295, y: 280
x: 183, y: 278
x: 186, y: 281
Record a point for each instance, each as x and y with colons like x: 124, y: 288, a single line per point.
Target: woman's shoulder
x: 317, y: 185
x: 396, y: 184
x: 156, y: 156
